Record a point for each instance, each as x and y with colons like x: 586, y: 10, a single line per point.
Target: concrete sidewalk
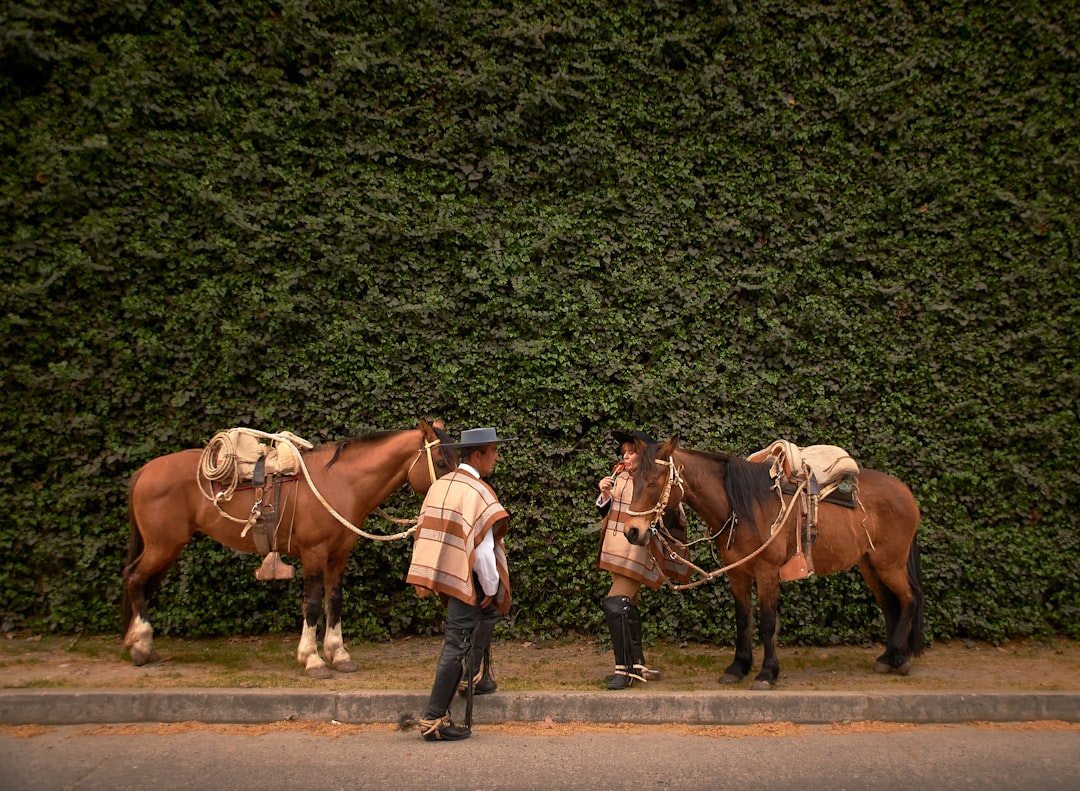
x: 250, y: 706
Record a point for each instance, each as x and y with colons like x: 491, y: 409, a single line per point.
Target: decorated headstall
x: 656, y: 513
x: 430, y: 460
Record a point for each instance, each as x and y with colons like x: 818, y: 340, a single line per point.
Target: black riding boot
x: 436, y: 724
x: 637, y: 653
x: 617, y: 614
x: 486, y: 684
x: 480, y: 658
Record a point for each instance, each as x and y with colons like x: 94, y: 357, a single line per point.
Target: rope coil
x: 220, y: 463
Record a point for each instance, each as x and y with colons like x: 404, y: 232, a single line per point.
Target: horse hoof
x: 882, y: 667
x: 348, y: 666
x: 321, y: 671
x: 140, y: 657
x: 903, y: 669
x: 760, y: 683
x: 730, y: 678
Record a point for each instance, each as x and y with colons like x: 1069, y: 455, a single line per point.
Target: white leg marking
x: 334, y: 646
x: 140, y: 640
x: 307, y: 653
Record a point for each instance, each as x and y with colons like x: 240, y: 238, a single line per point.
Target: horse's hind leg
x: 142, y: 578
x: 139, y: 639
x: 893, y: 594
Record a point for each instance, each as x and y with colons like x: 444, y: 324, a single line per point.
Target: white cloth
x: 484, y: 563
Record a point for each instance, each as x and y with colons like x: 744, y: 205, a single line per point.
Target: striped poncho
x: 619, y: 556
x: 457, y: 513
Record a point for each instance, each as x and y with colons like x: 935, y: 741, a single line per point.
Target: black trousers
x: 462, y: 622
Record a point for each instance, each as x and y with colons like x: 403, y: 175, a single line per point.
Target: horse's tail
x: 914, y: 570
x: 135, y: 548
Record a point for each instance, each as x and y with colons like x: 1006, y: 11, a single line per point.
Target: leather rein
x: 660, y: 532
x: 426, y: 450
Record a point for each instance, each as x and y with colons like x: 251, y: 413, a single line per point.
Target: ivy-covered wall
x: 849, y: 223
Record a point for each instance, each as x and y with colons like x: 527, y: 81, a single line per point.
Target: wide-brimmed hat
x: 476, y: 437
x: 623, y: 437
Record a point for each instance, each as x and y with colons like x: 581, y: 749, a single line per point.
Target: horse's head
x: 434, y: 459
x: 658, y: 490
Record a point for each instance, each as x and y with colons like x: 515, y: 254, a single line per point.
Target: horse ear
x: 668, y: 448
x: 425, y: 427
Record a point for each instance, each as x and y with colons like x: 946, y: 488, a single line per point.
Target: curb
x: 253, y: 706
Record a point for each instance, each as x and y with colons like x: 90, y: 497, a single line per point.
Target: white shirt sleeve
x: 484, y: 565
x: 484, y: 557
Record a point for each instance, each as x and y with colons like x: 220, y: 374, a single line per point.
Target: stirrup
x: 796, y: 568
x: 274, y: 568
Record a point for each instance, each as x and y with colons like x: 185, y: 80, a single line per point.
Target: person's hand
x: 606, y: 484
x: 486, y: 601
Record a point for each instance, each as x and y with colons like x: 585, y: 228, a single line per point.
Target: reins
x: 363, y: 533
x: 660, y: 532
x: 284, y: 438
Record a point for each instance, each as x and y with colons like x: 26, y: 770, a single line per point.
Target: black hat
x: 622, y: 437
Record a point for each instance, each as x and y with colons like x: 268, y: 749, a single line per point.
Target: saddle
x: 819, y: 473
x: 280, y: 458
x: 238, y: 457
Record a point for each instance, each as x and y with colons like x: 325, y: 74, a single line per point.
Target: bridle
x: 657, y: 511
x: 411, y: 522
x: 430, y: 460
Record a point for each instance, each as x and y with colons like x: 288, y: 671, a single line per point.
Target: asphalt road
x: 914, y: 757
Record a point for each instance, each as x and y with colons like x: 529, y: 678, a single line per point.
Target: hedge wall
x: 852, y: 224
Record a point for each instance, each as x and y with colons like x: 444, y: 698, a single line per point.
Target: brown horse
x: 168, y: 505
x: 737, y: 500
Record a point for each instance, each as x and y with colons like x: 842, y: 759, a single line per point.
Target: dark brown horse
x: 168, y: 505
x: 738, y: 501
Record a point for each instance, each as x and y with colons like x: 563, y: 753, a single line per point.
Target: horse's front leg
x: 744, y: 628
x: 333, y: 643
x: 768, y: 589
x: 307, y: 653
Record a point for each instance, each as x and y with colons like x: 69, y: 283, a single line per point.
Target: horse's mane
x: 445, y: 438
x: 747, y: 483
x: 449, y: 454
x: 364, y: 439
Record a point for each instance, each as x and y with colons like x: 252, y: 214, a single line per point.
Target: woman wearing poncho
x: 631, y: 565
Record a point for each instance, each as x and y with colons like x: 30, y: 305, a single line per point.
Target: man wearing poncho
x: 459, y: 554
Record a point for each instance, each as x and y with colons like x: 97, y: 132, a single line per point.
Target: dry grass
x: 28, y: 661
